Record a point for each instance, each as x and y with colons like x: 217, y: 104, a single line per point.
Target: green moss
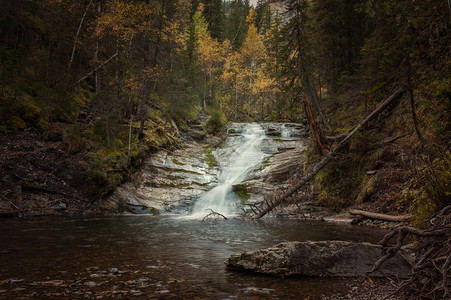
x: 241, y: 191
x: 74, y: 143
x: 187, y: 171
x: 367, y: 188
x: 175, y: 161
x: 209, y: 158
x: 16, y: 123
x: 431, y: 188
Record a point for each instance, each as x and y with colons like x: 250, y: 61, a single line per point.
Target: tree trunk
x: 96, y: 55
x: 326, y: 159
x: 74, y: 46
x: 130, y: 136
x: 95, y: 71
x: 383, y: 217
x: 321, y: 142
x: 412, y: 102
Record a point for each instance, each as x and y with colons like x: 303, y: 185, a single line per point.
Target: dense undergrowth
x: 387, y: 168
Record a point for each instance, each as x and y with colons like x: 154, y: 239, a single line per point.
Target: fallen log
x: 326, y: 159
x: 383, y: 217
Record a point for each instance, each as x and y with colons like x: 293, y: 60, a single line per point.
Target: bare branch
x: 94, y: 70
x: 213, y: 214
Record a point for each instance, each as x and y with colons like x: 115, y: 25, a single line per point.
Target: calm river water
x: 166, y: 257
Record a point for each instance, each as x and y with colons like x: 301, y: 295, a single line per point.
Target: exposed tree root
x: 430, y: 274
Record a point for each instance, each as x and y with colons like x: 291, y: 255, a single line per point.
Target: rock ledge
x: 325, y: 258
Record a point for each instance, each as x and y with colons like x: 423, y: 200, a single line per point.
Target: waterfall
x: 234, y: 169
x: 285, y: 131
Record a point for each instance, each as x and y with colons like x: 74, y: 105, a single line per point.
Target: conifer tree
x: 215, y: 16
x: 236, y: 22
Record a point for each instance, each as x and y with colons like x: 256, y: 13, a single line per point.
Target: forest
x: 113, y: 78
x: 104, y: 83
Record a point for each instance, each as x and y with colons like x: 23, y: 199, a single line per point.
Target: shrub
x: 431, y: 187
x: 216, y: 123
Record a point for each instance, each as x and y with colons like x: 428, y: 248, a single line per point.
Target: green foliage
x: 105, y: 171
x: 236, y: 27
x: 431, y: 187
x: 215, y: 17
x: 216, y: 123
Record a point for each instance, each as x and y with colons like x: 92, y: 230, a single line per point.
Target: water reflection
x: 159, y: 250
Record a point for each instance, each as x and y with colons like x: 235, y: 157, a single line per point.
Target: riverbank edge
x: 41, y: 175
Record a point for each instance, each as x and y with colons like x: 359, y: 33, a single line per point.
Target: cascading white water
x: 285, y: 132
x: 234, y: 170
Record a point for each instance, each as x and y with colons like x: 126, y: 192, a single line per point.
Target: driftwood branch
x: 213, y: 214
x: 326, y: 159
x: 10, y: 202
x: 392, y: 140
x: 383, y: 217
x: 94, y: 70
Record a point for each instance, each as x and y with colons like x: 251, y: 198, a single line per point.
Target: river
x: 172, y: 256
x: 160, y: 256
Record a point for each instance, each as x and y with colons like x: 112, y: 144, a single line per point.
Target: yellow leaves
x: 253, y: 49
x: 251, y: 17
x: 125, y: 18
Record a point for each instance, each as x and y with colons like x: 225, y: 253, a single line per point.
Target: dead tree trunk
x: 321, y: 142
x: 325, y: 160
x: 412, y: 102
x: 94, y: 71
x: 74, y: 47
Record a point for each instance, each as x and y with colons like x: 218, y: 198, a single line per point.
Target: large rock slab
x: 168, y: 182
x: 325, y: 258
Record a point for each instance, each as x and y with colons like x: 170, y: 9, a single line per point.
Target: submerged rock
x: 325, y: 258
x: 113, y: 271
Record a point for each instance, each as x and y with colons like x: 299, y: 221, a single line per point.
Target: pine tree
x: 214, y: 15
x: 236, y: 23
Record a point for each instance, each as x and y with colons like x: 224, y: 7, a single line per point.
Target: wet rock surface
x: 170, y: 182
x: 324, y: 259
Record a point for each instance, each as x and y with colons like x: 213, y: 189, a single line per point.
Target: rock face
x: 170, y: 182
x: 326, y: 258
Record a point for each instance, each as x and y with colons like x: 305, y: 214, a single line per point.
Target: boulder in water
x: 325, y: 258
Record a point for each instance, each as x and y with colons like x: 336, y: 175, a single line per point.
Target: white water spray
x: 234, y: 170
